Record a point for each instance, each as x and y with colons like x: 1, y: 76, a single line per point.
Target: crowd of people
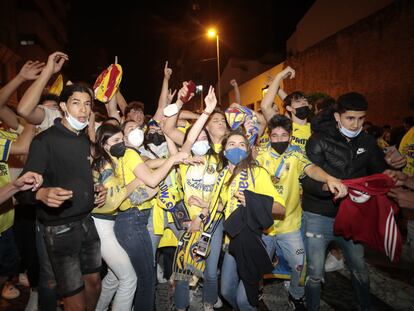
x: 97, y: 199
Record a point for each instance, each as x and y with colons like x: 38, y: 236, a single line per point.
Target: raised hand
x: 170, y: 96
x: 55, y: 62
x: 167, y: 71
x: 287, y: 72
x: 31, y: 70
x: 210, y: 100
x: 233, y: 83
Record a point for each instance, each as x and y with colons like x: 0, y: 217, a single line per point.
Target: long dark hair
x: 247, y: 163
x: 101, y: 156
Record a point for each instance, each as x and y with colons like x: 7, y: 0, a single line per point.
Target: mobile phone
x: 395, y: 154
x: 203, y: 243
x: 170, y: 110
x: 191, y: 90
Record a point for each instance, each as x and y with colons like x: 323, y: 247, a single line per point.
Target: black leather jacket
x: 341, y: 158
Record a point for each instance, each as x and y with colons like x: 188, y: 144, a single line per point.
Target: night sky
x: 144, y: 35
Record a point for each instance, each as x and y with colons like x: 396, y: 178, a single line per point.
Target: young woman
x: 198, y: 182
x: 131, y: 222
x: 121, y: 279
x: 239, y: 173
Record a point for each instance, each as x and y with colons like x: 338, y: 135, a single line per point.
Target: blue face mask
x: 348, y: 133
x: 235, y: 155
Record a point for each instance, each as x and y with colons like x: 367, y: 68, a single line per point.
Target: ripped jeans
x: 318, y: 234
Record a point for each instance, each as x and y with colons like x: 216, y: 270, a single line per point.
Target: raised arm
x: 30, y: 71
x: 163, y: 100
x: 170, y: 125
x: 27, y: 107
x: 268, y: 109
x: 235, y: 86
x: 211, y: 102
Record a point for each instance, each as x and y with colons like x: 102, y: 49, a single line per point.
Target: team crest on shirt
x: 210, y: 169
x: 275, y: 179
x: 287, y: 167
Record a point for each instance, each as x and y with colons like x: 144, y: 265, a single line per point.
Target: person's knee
x: 314, y: 280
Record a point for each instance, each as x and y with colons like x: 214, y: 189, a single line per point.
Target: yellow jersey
x: 407, y: 150
x: 199, y: 180
x: 125, y: 171
x: 300, y: 134
x: 6, y: 140
x: 286, y: 170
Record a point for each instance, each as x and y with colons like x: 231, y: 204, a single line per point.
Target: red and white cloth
x: 367, y: 215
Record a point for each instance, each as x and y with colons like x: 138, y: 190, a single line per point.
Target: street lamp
x: 211, y: 34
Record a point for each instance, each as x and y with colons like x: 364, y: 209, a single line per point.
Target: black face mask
x: 280, y: 147
x: 155, y: 138
x: 302, y: 112
x: 118, y: 150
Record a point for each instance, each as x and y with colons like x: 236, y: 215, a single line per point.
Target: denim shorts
x: 74, y: 250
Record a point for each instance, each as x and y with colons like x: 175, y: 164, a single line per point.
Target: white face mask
x: 75, y: 123
x: 136, y: 137
x: 200, y: 147
x: 348, y: 133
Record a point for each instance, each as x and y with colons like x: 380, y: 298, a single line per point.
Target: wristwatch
x: 202, y: 216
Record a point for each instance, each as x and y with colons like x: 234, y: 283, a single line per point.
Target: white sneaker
x: 160, y: 275
x: 218, y: 303
x: 333, y: 264
x: 32, y: 303
x: 23, y: 280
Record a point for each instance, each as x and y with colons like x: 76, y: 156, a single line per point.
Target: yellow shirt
x: 199, y: 180
x: 264, y: 139
x: 286, y: 169
x: 407, y: 149
x: 256, y: 180
x: 125, y: 171
x: 300, y: 134
x: 217, y: 148
x: 6, y: 140
x: 116, y: 191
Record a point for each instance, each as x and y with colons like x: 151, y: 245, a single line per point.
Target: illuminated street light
x: 211, y: 34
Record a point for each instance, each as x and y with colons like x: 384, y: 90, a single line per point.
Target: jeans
x: 293, y: 249
x: 318, y: 234
x: 47, y: 284
x: 132, y: 234
x: 121, y: 279
x: 210, y: 283
x: 232, y: 288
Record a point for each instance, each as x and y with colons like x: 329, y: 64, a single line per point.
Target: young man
x: 296, y: 105
x: 61, y: 155
x: 135, y: 111
x: 343, y: 150
x: 286, y: 163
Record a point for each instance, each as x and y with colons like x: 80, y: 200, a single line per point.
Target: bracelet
x: 207, y: 113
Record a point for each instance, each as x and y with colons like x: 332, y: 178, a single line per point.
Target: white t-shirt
x: 50, y: 116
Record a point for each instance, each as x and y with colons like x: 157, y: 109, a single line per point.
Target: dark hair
x: 101, y: 157
x: 409, y: 121
x: 123, y: 126
x: 249, y: 162
x: 136, y: 105
x: 296, y: 95
x: 323, y: 104
x: 351, y: 101
x: 279, y: 120
x: 47, y: 97
x: 107, y: 120
x: 68, y: 91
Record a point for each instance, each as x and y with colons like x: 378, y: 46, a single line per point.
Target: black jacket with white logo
x: 340, y: 158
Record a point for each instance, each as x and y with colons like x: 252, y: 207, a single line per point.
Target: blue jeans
x: 232, y: 288
x: 293, y: 249
x: 132, y: 234
x: 47, y: 287
x: 318, y: 234
x: 210, y: 283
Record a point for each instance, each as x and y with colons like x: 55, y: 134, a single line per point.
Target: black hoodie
x: 62, y: 158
